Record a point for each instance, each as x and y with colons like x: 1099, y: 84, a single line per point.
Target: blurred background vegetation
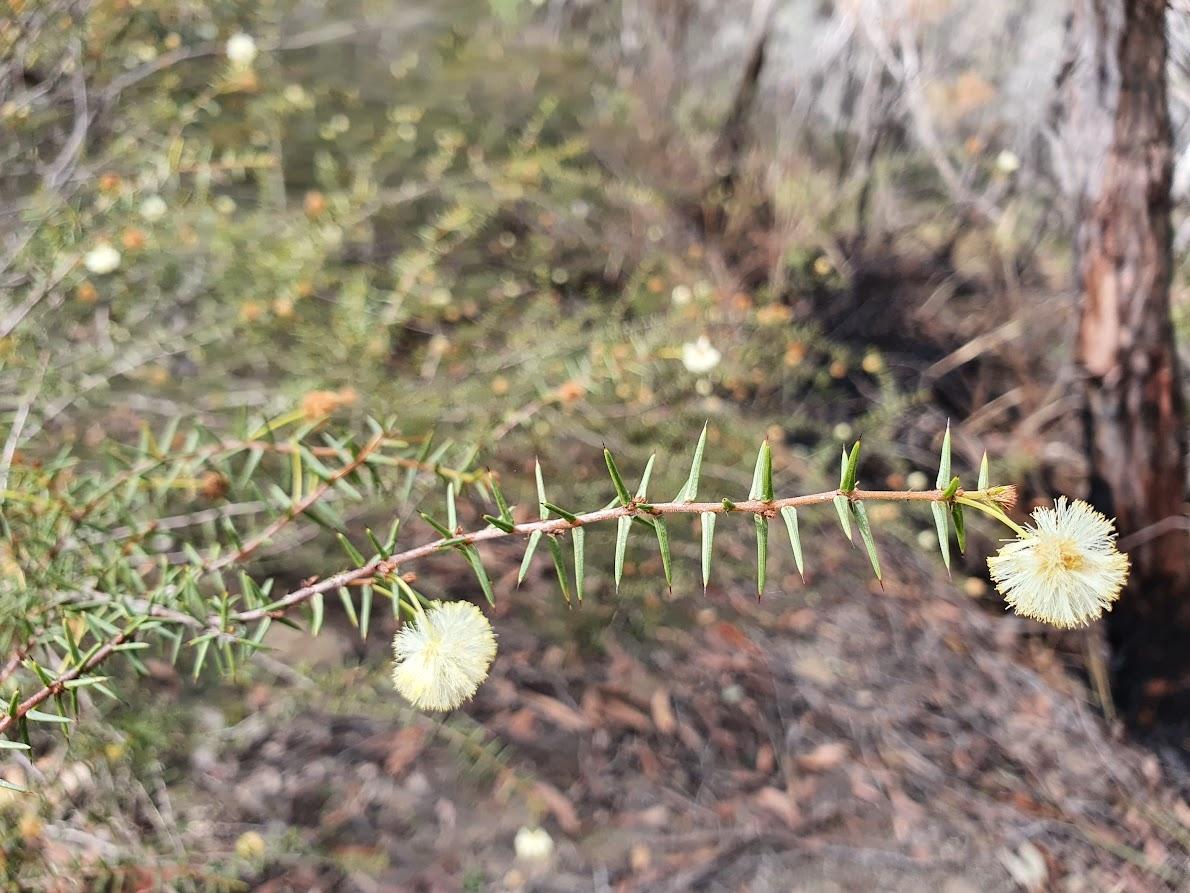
x: 508, y: 225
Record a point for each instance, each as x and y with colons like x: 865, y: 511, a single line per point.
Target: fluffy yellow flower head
x: 443, y: 656
x: 1065, y: 571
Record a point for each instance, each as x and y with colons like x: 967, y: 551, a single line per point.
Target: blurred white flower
x: 1066, y: 570
x: 533, y: 845
x: 700, y: 356
x: 1007, y: 162
x: 295, y: 95
x: 224, y: 204
x: 681, y: 295
x: 153, y: 208
x: 102, y: 259
x: 241, y: 50
x: 443, y: 656
x: 917, y: 480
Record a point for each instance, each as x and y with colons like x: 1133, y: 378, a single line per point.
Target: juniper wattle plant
x: 93, y: 570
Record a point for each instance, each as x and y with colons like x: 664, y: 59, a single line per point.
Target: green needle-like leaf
x: 850, y: 469
x: 559, y: 565
x: 85, y: 682
x: 983, y: 473
x: 960, y: 529
x: 352, y: 552
x: 789, y: 513
x: 617, y: 479
x: 623, y: 525
x: 317, y: 611
x: 762, y: 552
x: 441, y: 528
x: 365, y: 610
x: 472, y: 555
x: 391, y: 542
x: 534, y: 539
x: 348, y: 605
x: 865, y: 532
x: 844, y: 514
x: 643, y: 489
x: 762, y: 474
x: 942, y: 525
x: 689, y: 491
x: 452, y: 515
x: 9, y: 786
x: 5, y: 744
x: 200, y: 656
x: 501, y: 502
x: 944, y: 461
x: 40, y: 716
x: 766, y: 478
x: 296, y: 473
x: 500, y: 523
x: 544, y: 512
x: 952, y: 488
x: 579, y: 535
x: 708, y: 539
x: 663, y: 544
x: 561, y: 512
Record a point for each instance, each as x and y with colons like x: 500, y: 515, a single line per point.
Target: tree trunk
x: 1134, y: 415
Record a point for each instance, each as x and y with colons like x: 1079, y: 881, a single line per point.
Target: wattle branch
x: 385, y: 570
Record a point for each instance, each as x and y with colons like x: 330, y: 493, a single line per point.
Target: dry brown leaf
x: 403, y: 749
x: 553, y: 710
x: 663, y: 715
x: 780, y: 804
x: 766, y: 760
x: 824, y: 757
x: 560, y: 806
x: 620, y: 713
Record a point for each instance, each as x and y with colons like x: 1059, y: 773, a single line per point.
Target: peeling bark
x: 1134, y: 414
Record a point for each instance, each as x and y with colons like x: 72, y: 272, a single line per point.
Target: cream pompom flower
x: 1066, y: 570
x: 443, y: 655
x: 700, y: 356
x: 102, y: 259
x: 241, y: 50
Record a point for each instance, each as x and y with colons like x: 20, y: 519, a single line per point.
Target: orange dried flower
x: 314, y: 203
x: 251, y: 311
x: 132, y: 239
x: 319, y: 404
x: 213, y: 485
x: 571, y: 392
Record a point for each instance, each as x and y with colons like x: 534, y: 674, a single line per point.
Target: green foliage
x: 319, y: 263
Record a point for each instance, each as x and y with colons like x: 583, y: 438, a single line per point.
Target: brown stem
x: 387, y: 566
x: 59, y: 685
x: 299, y: 507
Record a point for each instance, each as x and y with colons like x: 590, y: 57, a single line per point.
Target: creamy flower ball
x: 443, y: 655
x: 533, y: 845
x: 102, y: 259
x: 700, y: 356
x: 1008, y: 162
x: 1065, y: 570
x: 241, y: 50
x: 153, y: 208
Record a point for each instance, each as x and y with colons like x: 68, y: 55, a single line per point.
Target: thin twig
x: 300, y: 506
x: 384, y: 567
x: 18, y: 424
x: 557, y: 526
